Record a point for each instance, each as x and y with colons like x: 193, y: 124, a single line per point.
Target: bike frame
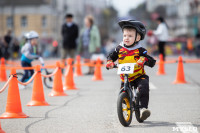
x: 133, y: 98
x: 128, y: 90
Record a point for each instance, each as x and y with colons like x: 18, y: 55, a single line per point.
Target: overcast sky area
x: 123, y: 6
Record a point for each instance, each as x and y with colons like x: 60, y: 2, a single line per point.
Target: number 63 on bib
x: 126, y: 68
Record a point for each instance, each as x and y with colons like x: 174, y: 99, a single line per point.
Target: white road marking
x: 185, y: 127
x: 152, y: 86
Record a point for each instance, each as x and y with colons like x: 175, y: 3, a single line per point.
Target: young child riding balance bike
x: 130, y: 51
x: 28, y: 55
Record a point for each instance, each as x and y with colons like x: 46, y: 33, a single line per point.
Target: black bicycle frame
x: 127, y: 89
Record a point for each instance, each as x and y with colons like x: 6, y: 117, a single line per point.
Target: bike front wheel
x: 124, y: 109
x: 48, y: 82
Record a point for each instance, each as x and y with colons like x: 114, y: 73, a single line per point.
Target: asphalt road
x: 93, y: 107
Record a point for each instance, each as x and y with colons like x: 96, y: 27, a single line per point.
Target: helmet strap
x: 135, y: 37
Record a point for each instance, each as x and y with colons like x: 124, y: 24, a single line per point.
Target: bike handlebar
x: 115, y: 66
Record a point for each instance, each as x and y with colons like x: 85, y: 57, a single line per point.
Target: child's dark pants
x: 143, y: 85
x: 28, y: 73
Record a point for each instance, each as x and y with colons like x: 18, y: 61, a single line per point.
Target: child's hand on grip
x: 141, y: 61
x: 110, y: 64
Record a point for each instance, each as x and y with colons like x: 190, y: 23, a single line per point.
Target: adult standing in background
x: 89, y: 41
x: 197, y: 43
x: 7, y: 44
x: 1, y: 46
x: 162, y: 35
x: 70, y: 34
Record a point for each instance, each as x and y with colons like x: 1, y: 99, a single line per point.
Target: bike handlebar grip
x: 41, y: 60
x: 115, y: 66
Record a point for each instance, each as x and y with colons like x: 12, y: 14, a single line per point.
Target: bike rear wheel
x: 124, y: 109
x: 137, y: 111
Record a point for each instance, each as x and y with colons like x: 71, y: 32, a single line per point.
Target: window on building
x: 44, y: 21
x: 23, y: 21
x: 9, y: 22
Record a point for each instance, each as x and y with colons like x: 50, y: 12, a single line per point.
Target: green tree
x: 108, y: 22
x: 140, y: 12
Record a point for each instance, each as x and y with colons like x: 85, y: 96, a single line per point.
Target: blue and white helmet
x: 31, y: 35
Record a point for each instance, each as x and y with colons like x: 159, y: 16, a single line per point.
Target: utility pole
x: 13, y: 15
x: 2, y: 14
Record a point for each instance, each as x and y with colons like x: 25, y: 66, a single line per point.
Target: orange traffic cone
x: 180, y: 77
x: 1, y: 131
x: 3, y: 70
x: 78, y: 71
x: 69, y: 77
x: 57, y: 83
x: 161, y: 66
x: 97, y: 71
x: 38, y: 92
x: 13, y: 107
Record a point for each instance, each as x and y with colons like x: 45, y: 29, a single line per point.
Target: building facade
x: 183, y: 16
x: 44, y: 16
x: 21, y: 17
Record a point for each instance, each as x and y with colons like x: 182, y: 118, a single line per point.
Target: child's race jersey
x: 129, y: 55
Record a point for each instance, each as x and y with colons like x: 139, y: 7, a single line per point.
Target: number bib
x: 126, y: 68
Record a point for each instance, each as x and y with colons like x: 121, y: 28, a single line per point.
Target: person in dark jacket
x: 197, y: 43
x: 70, y: 35
x: 1, y: 46
x: 7, y: 44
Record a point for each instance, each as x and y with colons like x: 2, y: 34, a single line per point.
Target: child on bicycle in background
x: 28, y: 54
x: 130, y: 51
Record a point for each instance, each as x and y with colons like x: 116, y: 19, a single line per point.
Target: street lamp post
x: 13, y: 15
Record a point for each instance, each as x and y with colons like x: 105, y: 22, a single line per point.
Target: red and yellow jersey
x: 130, y: 55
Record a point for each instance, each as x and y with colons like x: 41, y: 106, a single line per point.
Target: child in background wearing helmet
x: 28, y: 54
x: 130, y: 51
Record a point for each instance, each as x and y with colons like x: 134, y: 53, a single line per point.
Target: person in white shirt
x: 162, y: 34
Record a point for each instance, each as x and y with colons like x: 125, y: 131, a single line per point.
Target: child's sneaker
x: 144, y: 113
x: 21, y: 87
